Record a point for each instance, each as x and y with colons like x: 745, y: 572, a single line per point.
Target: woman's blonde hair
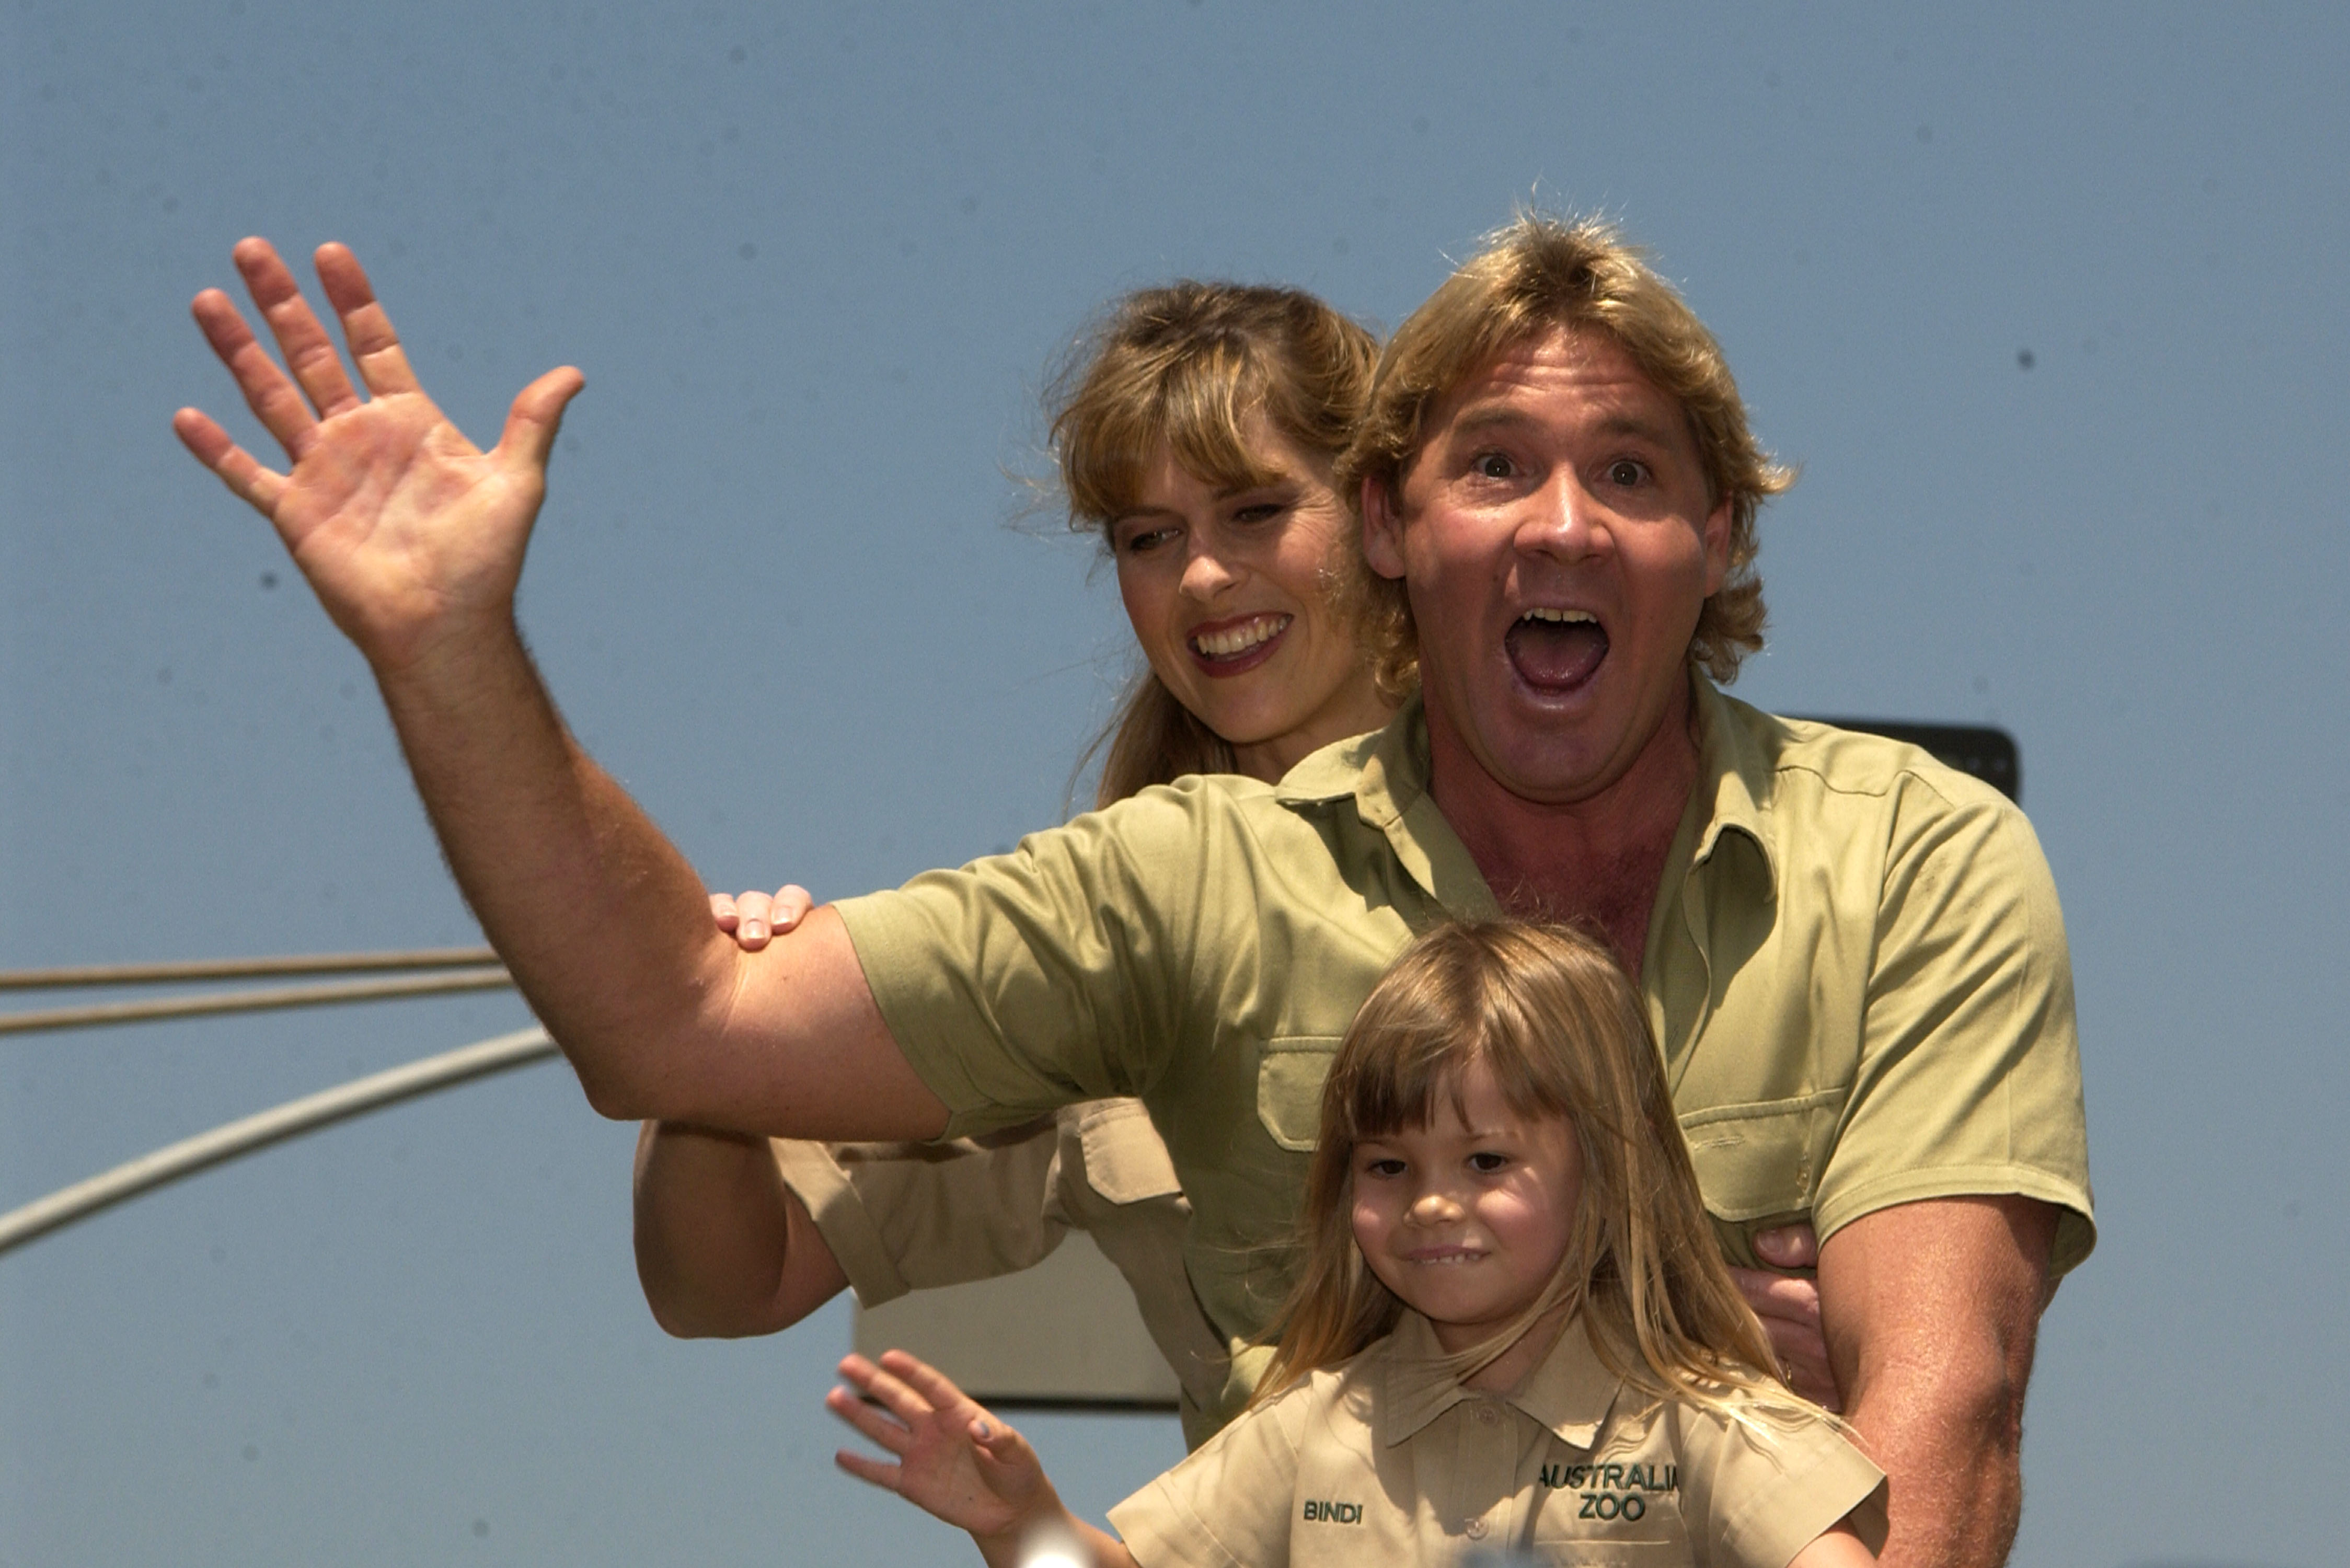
x: 1536, y: 275
x: 1562, y: 1032
x: 1191, y: 365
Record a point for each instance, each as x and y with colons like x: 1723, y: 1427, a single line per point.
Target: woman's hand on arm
x: 725, y: 1247
x: 753, y: 916
x: 955, y: 1461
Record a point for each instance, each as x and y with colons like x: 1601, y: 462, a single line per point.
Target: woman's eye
x: 1262, y: 511
x: 1142, y: 541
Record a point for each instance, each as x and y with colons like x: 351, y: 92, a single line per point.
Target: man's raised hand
x: 406, y: 530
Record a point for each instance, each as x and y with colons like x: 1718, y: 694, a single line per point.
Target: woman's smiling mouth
x: 1230, y: 647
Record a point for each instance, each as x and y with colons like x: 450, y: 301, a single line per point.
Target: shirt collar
x: 1569, y: 1392
x: 1385, y: 774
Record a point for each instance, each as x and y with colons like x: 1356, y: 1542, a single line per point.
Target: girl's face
x: 1466, y: 1219
x: 1230, y: 593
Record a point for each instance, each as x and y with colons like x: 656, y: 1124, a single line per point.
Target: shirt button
x: 1476, y: 1528
x: 1487, y: 1415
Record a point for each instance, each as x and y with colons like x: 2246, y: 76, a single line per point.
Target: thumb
x: 536, y: 417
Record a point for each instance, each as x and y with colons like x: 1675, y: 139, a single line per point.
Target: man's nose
x: 1563, y: 519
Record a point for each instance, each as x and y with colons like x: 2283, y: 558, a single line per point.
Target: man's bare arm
x: 413, y: 540
x: 1930, y: 1311
x: 724, y: 1248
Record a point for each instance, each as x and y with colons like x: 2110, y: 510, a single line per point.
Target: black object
x: 1987, y: 754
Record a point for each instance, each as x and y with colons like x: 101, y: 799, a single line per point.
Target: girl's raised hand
x: 952, y: 1458
x: 406, y: 530
x: 753, y: 916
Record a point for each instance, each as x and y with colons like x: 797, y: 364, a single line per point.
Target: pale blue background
x: 814, y: 263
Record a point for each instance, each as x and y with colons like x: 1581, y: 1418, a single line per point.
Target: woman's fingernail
x: 754, y: 931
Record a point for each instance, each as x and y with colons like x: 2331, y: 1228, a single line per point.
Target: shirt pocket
x: 1125, y: 1162
x: 1289, y: 1073
x: 1759, y: 1163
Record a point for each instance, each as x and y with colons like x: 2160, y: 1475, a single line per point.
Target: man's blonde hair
x: 1539, y: 274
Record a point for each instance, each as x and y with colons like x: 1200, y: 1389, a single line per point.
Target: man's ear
x: 1715, y: 532
x: 1382, y: 528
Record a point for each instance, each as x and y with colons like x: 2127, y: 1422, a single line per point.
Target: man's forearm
x: 603, y: 923
x: 1931, y: 1311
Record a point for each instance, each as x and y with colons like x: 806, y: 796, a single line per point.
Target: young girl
x: 1512, y: 1330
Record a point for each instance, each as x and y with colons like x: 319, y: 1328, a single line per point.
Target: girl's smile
x: 1466, y: 1219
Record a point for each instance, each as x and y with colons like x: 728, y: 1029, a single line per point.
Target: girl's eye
x: 1485, y: 1162
x: 1383, y: 1168
x: 1626, y: 471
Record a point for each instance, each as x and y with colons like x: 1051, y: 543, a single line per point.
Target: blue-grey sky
x: 2046, y: 303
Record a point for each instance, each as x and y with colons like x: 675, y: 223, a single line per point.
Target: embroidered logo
x: 1613, y: 1491
x: 1318, y: 1513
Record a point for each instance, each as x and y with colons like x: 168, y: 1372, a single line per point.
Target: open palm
x: 953, y: 1458
x: 406, y: 530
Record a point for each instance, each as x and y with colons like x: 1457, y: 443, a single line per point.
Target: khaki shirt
x: 906, y: 1217
x: 1855, y: 969
x: 1388, y: 1458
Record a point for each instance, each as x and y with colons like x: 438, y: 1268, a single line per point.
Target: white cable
x: 242, y: 1137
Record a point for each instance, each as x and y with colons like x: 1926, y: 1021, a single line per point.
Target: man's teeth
x: 1240, y: 639
x: 1562, y: 616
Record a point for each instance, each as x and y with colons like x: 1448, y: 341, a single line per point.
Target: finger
x: 536, y: 417
x: 873, y: 1424
x: 309, y: 353
x: 792, y: 904
x: 721, y: 910
x: 1779, y: 1296
x: 1788, y: 1247
x: 758, y: 920
x: 237, y: 468
x: 375, y: 347
x: 870, y: 1470
x: 272, y: 398
x: 877, y: 1384
x: 933, y: 1386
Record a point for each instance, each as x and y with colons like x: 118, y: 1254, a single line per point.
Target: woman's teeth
x: 1236, y: 640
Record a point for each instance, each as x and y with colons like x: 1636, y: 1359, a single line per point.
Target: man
x: 1853, y: 958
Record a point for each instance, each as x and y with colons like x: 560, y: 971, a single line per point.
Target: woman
x: 1194, y: 431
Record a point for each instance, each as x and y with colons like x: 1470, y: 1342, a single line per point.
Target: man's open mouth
x: 1556, y: 649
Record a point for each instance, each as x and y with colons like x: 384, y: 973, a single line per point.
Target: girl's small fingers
x: 873, y: 1472
x: 722, y: 909
x: 872, y: 1423
x: 877, y: 1382
x: 932, y: 1385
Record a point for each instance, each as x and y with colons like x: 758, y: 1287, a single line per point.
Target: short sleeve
x: 1227, y: 1506
x: 907, y: 1216
x: 1754, y: 1499
x: 1969, y: 1073
x: 1053, y: 974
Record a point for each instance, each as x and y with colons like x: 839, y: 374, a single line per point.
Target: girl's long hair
x: 1192, y: 365
x: 1564, y: 1034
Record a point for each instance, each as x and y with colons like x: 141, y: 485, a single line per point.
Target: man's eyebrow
x: 1476, y: 419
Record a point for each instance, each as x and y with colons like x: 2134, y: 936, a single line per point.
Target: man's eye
x: 1492, y: 466
x: 1626, y: 471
